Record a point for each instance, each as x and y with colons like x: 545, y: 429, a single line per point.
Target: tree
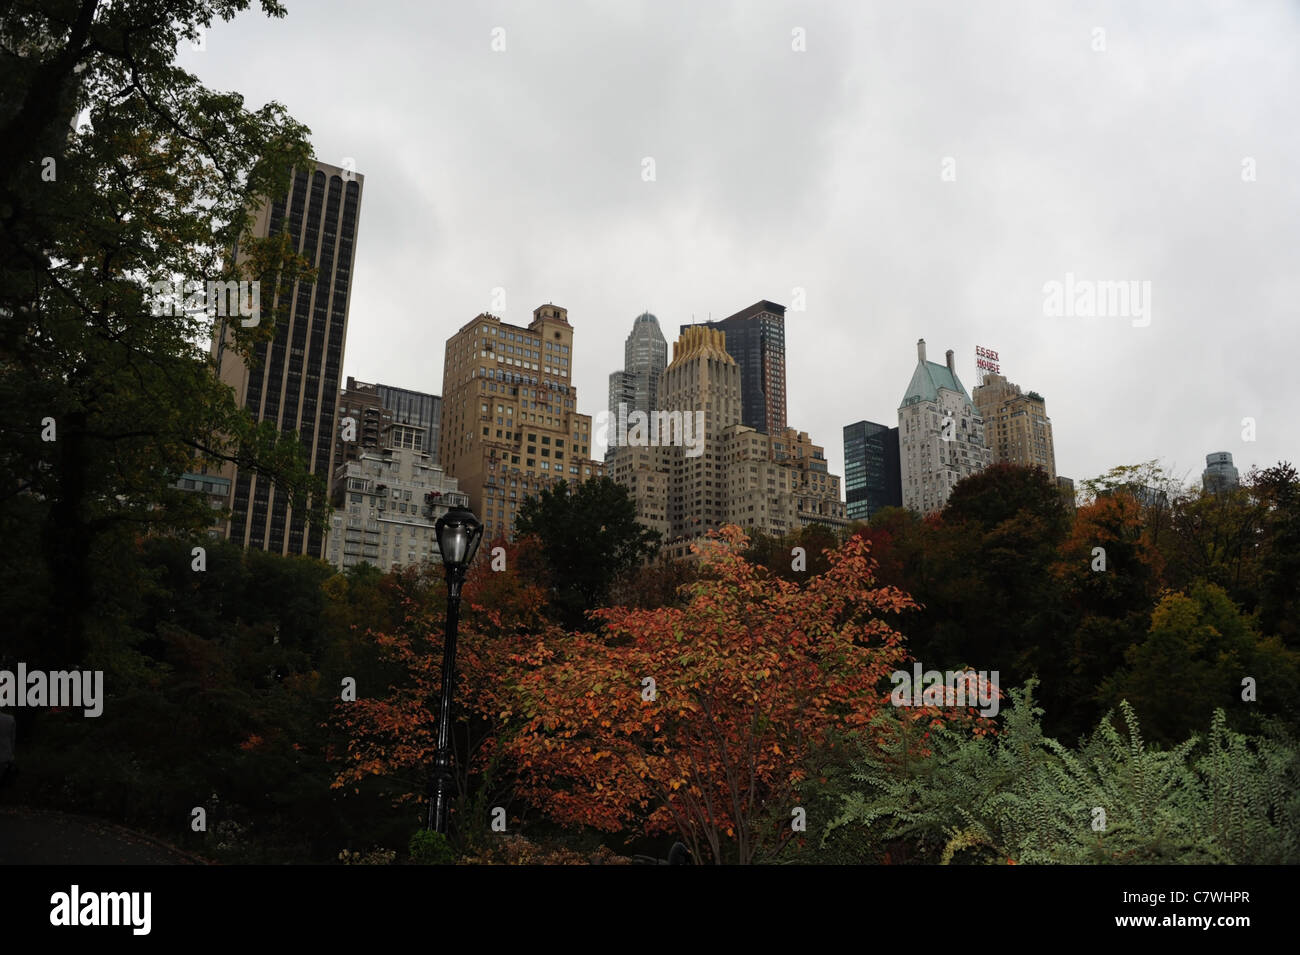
x: 1199, y: 649
x: 391, y: 733
x: 982, y: 571
x: 1148, y: 483
x: 108, y: 396
x: 660, y: 583
x: 698, y: 720
x: 1278, y: 491
x: 1110, y: 575
x: 588, y: 535
x: 1215, y: 537
x: 777, y: 553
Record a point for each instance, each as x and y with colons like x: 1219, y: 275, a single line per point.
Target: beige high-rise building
x: 510, y: 422
x: 703, y: 378
x: 712, y: 469
x: 817, y: 495
x: 1016, y: 427
x: 294, y: 379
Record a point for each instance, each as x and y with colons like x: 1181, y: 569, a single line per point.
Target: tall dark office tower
x: 415, y: 408
x: 872, y: 475
x: 294, y: 380
x: 756, y: 340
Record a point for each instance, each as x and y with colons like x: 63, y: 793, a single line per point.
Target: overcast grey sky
x: 1119, y: 155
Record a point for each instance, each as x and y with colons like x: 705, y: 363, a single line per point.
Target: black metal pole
x: 441, y: 778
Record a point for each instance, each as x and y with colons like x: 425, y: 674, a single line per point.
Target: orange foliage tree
x: 748, y: 677
x: 392, y: 731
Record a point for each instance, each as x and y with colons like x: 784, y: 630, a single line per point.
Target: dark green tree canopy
x: 589, y: 535
x: 107, y: 397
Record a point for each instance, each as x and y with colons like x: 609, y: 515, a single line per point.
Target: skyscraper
x: 872, y: 479
x: 510, y: 421
x: 940, y: 435
x: 702, y: 377
x: 1219, y: 474
x: 720, y: 471
x: 636, y: 384
x: 294, y: 380
x: 1016, y: 427
x: 756, y: 340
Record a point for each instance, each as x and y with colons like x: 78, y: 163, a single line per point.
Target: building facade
x: 872, y: 474
x: 362, y: 419
x: 510, y: 420
x: 373, y: 408
x: 294, y: 379
x: 387, y: 500
x: 755, y: 338
x: 1016, y: 427
x: 424, y: 411
x: 1066, y: 486
x: 1219, y: 474
x: 721, y: 471
x: 940, y: 435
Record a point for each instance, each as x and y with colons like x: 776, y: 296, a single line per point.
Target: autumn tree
x: 659, y: 583
x: 697, y: 720
x: 391, y: 732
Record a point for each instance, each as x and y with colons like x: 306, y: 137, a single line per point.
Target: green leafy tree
x: 1111, y: 576
x: 108, y: 393
x: 588, y: 536
x: 777, y: 554
x: 1199, y: 649
x: 1214, y: 537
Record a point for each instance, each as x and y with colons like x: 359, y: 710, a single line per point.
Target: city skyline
x: 823, y: 186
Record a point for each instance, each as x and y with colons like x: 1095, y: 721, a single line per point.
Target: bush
x: 431, y: 848
x: 1022, y: 797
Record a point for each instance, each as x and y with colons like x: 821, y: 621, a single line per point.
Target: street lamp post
x: 458, y: 532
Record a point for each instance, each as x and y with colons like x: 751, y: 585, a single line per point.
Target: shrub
x: 1021, y: 797
x: 431, y: 848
